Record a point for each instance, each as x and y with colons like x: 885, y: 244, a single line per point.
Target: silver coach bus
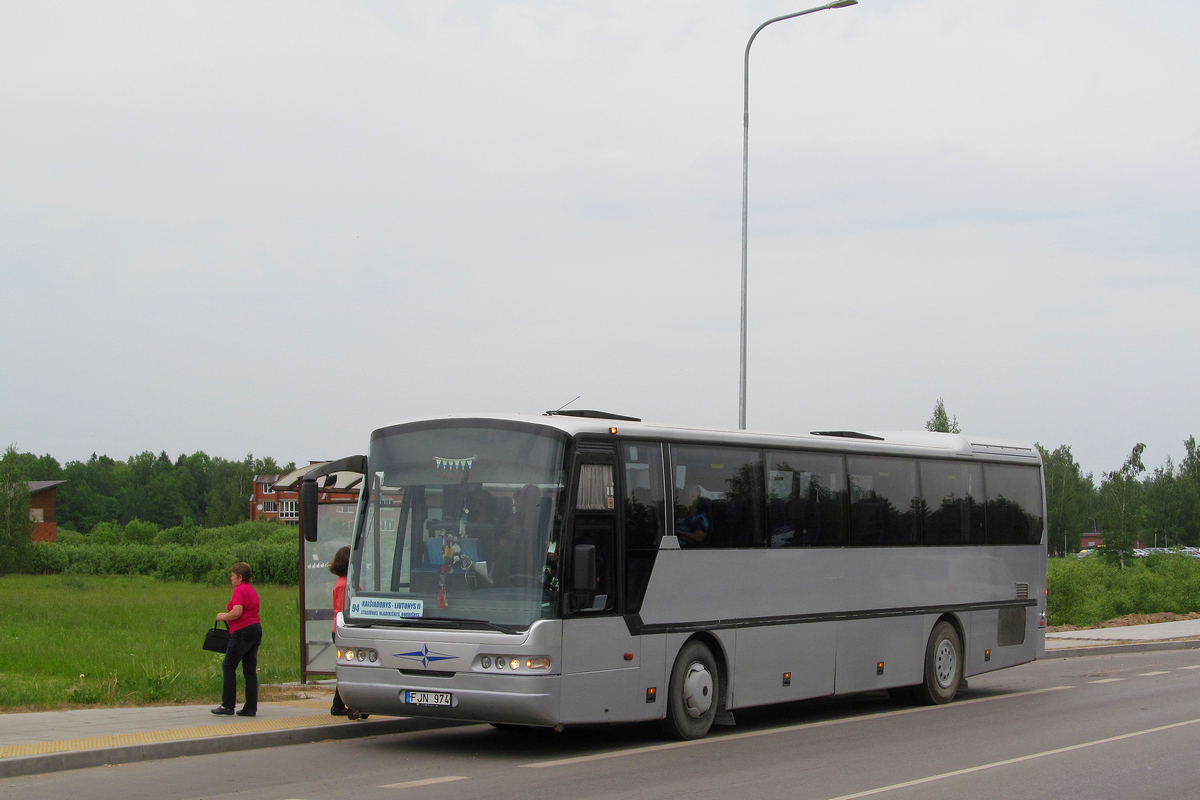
x: 582, y: 567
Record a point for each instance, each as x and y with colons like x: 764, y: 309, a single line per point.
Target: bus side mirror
x: 583, y: 576
x: 308, y: 510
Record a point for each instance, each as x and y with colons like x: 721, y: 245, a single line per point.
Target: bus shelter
x: 336, y: 503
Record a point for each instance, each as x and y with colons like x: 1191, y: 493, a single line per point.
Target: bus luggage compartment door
x: 598, y: 683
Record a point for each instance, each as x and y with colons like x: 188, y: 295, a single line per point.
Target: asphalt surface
x: 1098, y: 726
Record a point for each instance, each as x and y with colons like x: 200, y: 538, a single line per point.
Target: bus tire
x: 694, y: 693
x: 943, y: 666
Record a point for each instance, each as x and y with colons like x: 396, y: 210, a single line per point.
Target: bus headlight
x: 516, y: 662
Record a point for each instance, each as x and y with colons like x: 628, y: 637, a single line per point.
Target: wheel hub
x: 697, y: 690
x: 947, y: 664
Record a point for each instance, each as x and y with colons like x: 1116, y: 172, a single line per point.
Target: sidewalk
x: 48, y: 741
x: 1180, y: 635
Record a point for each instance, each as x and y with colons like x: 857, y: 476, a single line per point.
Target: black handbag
x: 217, y: 640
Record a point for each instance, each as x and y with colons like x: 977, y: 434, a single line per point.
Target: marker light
x: 516, y: 662
x: 541, y: 662
x: 339, y: 654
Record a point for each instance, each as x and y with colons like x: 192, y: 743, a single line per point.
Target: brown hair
x: 341, y: 562
x: 243, y: 569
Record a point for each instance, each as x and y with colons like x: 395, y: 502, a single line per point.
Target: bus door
x: 600, y: 658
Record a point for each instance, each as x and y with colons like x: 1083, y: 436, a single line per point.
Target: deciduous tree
x: 1070, y: 498
x: 1121, y: 509
x: 16, y: 527
x: 941, y: 421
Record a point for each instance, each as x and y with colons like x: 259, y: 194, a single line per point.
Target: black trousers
x: 243, y: 648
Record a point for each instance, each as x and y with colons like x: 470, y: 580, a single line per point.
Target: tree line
x: 197, y: 489
x: 1130, y: 505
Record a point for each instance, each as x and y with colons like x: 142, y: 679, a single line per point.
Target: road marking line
x: 632, y: 751
x: 1017, y: 760
x: 1148, y: 674
x: 1193, y: 666
x: 424, y: 782
x: 1107, y: 680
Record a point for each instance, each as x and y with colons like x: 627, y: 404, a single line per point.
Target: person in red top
x: 245, y: 635
x: 339, y: 566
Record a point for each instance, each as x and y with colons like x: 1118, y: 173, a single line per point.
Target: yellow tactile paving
x: 171, y: 735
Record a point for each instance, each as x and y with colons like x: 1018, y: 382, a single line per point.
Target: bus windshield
x: 458, y: 526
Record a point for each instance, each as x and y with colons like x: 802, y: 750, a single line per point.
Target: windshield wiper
x: 460, y: 622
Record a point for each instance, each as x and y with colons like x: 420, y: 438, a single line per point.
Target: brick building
x: 278, y: 498
x: 43, y: 499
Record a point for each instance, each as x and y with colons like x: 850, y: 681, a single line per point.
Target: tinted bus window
x: 645, y: 516
x: 718, y: 496
x: 806, y: 495
x: 645, y: 506
x: 953, y: 495
x: 884, y: 504
x: 1014, y: 504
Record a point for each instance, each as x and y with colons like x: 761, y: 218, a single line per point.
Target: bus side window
x: 599, y: 530
x: 718, y: 496
x: 596, y: 524
x: 1014, y: 504
x: 595, y: 488
x: 953, y: 502
x: 805, y: 500
x: 645, y: 516
x: 885, y: 508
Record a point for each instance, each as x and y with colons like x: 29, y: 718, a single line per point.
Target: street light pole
x: 745, y: 161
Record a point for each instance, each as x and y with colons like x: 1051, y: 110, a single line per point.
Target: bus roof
x: 924, y: 443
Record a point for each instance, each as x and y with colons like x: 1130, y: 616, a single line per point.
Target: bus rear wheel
x: 943, y: 666
x: 694, y: 693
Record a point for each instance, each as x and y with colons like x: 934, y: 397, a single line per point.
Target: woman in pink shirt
x: 245, y: 635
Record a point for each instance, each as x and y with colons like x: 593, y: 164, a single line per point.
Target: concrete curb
x: 126, y: 754
x: 1129, y: 647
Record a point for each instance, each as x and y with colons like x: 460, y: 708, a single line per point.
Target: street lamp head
x: 842, y: 4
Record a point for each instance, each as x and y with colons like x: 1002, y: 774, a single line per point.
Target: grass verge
x: 76, y: 640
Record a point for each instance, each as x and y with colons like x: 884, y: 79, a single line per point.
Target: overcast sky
x: 273, y: 227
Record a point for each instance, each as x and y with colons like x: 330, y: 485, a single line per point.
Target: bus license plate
x: 427, y: 698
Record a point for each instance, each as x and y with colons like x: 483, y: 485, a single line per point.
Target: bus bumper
x: 515, y: 699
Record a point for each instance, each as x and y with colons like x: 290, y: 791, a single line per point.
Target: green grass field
x: 75, y: 640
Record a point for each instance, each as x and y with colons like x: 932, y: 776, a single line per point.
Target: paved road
x: 1093, y: 727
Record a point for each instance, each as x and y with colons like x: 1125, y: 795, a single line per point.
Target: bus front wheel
x: 694, y: 693
x: 943, y: 666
